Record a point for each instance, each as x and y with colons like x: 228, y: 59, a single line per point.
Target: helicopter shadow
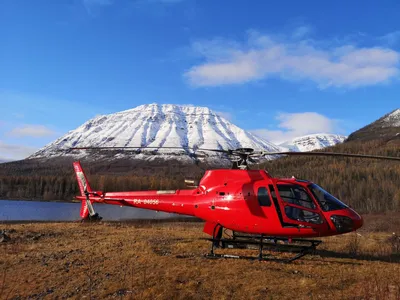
x: 392, y: 258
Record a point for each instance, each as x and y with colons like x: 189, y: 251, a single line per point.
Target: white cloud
x: 391, y: 38
x: 10, y: 152
x: 31, y: 131
x: 293, y: 125
x: 265, y: 56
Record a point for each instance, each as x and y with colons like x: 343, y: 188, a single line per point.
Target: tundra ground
x: 165, y: 260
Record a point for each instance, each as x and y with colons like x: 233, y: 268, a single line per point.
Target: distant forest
x: 366, y: 185
x: 64, y: 187
x: 54, y: 179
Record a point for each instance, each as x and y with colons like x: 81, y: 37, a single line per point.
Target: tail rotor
x: 87, y: 211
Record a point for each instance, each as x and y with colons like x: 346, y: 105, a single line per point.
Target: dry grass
x: 165, y: 261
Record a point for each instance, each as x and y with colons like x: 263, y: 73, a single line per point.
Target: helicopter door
x: 296, y: 206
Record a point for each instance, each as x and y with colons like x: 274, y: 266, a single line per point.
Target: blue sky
x: 277, y: 68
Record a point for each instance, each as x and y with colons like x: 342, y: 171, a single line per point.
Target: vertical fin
x: 84, y: 188
x: 83, y: 183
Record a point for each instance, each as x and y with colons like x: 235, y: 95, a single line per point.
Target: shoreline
x: 125, y: 221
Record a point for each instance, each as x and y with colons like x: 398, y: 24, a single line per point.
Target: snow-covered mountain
x: 313, y: 142
x: 155, y: 125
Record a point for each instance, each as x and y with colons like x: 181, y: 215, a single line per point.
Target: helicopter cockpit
x: 297, y: 195
x: 307, y: 202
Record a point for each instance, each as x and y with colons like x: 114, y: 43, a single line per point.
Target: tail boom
x: 178, y: 202
x: 174, y: 201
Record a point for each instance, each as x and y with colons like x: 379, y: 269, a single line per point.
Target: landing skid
x: 301, y: 247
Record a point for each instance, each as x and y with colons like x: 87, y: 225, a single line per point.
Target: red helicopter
x: 260, y: 210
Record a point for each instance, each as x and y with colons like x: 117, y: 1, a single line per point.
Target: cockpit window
x: 326, y: 200
x: 295, y: 194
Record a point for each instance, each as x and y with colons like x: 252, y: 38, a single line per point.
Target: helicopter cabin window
x: 263, y: 197
x: 295, y: 194
x: 302, y: 215
x: 292, y: 212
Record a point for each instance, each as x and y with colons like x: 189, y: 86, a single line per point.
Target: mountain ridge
x: 158, y: 125
x: 313, y: 142
x: 386, y: 128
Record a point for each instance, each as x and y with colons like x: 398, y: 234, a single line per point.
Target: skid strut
x: 300, y: 247
x: 217, y: 235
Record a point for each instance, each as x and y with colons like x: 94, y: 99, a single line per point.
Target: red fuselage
x: 249, y: 201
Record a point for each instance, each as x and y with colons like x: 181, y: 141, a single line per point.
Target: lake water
x: 61, y: 211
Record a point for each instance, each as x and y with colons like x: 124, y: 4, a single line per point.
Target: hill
x: 153, y: 125
x: 387, y: 128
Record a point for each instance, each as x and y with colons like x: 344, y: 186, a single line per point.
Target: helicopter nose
x: 348, y: 220
x: 358, y: 221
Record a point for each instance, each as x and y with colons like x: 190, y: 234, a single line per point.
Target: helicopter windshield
x: 326, y: 200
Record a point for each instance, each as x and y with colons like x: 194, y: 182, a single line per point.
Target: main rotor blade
x: 248, y: 155
x: 132, y: 149
x: 331, y: 154
x: 122, y: 148
x: 145, y: 147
